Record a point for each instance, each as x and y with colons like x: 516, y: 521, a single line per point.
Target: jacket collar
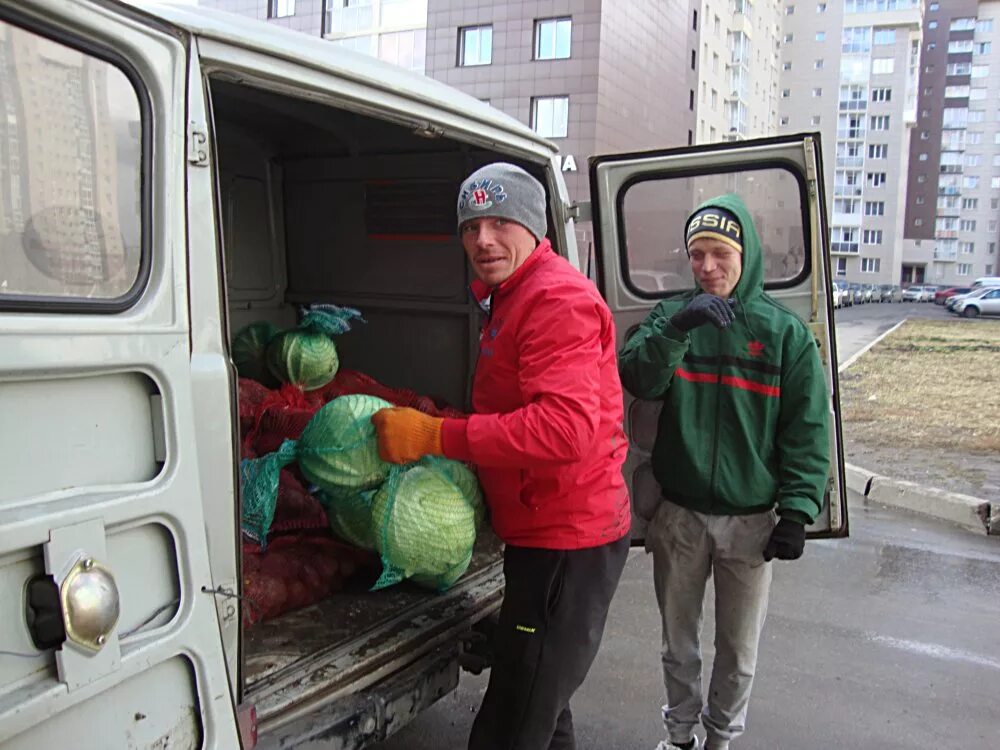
x: 539, y: 255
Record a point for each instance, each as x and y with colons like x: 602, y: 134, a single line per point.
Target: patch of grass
x: 929, y: 384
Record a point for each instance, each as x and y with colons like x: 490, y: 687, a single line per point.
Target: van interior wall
x: 326, y: 206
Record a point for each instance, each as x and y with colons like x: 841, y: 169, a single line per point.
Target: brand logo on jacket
x: 755, y: 349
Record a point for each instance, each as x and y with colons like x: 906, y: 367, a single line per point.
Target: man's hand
x: 787, y: 541
x: 407, y: 435
x: 704, y: 308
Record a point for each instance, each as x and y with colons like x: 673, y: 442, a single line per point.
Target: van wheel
x: 970, y: 312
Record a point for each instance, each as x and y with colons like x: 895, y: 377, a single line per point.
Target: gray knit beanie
x: 506, y: 191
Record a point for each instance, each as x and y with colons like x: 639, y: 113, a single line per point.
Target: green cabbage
x: 308, y: 360
x: 350, y: 516
x: 338, y: 449
x: 249, y: 352
x: 426, y: 518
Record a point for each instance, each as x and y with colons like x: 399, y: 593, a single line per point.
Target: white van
x: 170, y: 174
x: 987, y: 281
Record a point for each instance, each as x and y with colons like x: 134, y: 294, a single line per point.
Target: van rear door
x: 640, y: 202
x: 109, y: 633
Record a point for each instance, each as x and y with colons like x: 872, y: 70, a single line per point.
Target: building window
x: 817, y: 92
x: 786, y: 66
x: 962, y: 24
x: 878, y: 151
x: 407, y: 49
x: 884, y: 36
x: 694, y: 21
x: 970, y: 204
x: 967, y: 248
x: 995, y: 183
x: 931, y: 46
x: 970, y: 182
x: 980, y: 71
x: 882, y: 94
x: 880, y: 122
x: 991, y: 247
x: 972, y: 160
x: 982, y: 48
x: 821, y: 7
x: 932, y: 25
x: 789, y: 38
x: 918, y: 222
x: 984, y: 26
x: 820, y: 36
x: 475, y: 46
x: 694, y: 59
x: 920, y: 200
x: 967, y: 225
x: 975, y: 137
x: 876, y: 179
x: 281, y: 8
x: 818, y: 65
x: 715, y: 63
x: 691, y: 100
x: 783, y: 120
x: 870, y: 265
x: 785, y: 93
x: 815, y: 119
x: 959, y: 69
x: 550, y: 116
x: 841, y: 266
x: 872, y: 237
x: 964, y: 269
x: 874, y: 208
x: 959, y: 46
x: 789, y: 10
x: 921, y: 178
x: 553, y: 38
x: 883, y: 65
x: 922, y: 157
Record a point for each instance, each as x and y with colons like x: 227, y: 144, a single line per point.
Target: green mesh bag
x: 425, y: 518
x: 306, y: 355
x: 249, y: 352
x: 350, y: 516
x: 337, y: 451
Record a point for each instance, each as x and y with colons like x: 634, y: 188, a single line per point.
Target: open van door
x: 640, y: 203
x: 109, y: 634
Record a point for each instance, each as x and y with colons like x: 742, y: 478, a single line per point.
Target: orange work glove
x: 407, y: 435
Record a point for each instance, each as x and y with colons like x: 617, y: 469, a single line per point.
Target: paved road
x: 885, y: 640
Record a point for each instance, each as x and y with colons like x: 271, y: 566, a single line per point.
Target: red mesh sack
x: 296, y: 572
x: 296, y: 509
x: 282, y: 416
x: 252, y: 396
x: 352, y: 381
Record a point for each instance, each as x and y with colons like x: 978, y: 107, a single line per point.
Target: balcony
x: 854, y: 105
x: 951, y: 169
x: 949, y: 256
x: 946, y: 234
x: 850, y: 134
x: 851, y: 248
x: 850, y: 161
x: 949, y: 191
x: 357, y: 18
x: 849, y: 191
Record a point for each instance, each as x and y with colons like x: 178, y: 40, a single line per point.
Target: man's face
x: 496, y: 247
x: 716, y: 265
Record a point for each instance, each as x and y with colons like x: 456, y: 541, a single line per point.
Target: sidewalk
x: 972, y: 513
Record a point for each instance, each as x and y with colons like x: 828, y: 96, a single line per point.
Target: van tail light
x: 246, y: 716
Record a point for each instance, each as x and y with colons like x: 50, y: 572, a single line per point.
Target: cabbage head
x: 350, y: 516
x: 338, y: 451
x: 426, y: 518
x: 249, y: 352
x: 306, y: 355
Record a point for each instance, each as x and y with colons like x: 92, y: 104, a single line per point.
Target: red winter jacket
x: 546, y: 436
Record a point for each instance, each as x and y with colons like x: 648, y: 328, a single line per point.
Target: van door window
x: 655, y: 211
x: 71, y: 194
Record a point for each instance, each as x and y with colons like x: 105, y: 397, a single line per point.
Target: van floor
x: 274, y: 645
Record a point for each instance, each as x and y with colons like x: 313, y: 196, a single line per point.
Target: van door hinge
x: 579, y: 211
x: 197, y: 145
x: 812, y: 174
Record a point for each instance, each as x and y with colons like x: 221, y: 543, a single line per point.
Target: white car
x: 973, y: 305
x: 913, y: 293
x: 927, y: 294
x: 839, y: 292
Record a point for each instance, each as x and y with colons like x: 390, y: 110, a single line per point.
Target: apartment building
x: 392, y: 30
x: 953, y: 191
x: 738, y: 70
x: 850, y: 70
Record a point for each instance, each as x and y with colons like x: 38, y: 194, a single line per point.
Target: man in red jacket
x: 547, y: 442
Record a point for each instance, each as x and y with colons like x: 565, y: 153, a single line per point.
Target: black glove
x: 787, y: 541
x: 704, y: 308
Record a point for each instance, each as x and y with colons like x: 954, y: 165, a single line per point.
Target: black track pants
x: 551, y: 622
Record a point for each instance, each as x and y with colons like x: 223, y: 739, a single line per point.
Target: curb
x: 966, y: 511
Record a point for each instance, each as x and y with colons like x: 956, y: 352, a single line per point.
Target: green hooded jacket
x: 745, y: 418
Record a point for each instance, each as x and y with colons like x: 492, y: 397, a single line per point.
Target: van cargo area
x: 324, y: 205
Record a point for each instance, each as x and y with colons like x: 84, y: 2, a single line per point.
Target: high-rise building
x: 850, y: 71
x: 953, y: 191
x: 738, y: 71
x: 392, y: 30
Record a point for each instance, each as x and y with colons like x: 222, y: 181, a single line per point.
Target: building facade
x: 953, y: 189
x: 739, y: 67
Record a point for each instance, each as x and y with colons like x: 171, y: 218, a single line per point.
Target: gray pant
x: 687, y: 548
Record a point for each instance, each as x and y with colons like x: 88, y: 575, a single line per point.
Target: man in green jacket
x: 742, y: 457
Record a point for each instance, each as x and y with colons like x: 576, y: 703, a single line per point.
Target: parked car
x: 927, y: 295
x: 987, y: 281
x: 913, y: 293
x: 983, y: 304
x: 953, y: 302
x: 856, y: 293
x: 890, y: 293
x: 941, y: 295
x: 836, y: 294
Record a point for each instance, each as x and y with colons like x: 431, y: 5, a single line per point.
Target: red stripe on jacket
x: 730, y: 380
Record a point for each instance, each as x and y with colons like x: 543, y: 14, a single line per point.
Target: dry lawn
x: 928, y: 385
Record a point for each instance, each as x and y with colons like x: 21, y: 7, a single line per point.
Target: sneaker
x: 692, y: 744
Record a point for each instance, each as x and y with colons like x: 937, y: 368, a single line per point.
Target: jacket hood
x: 751, y: 281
